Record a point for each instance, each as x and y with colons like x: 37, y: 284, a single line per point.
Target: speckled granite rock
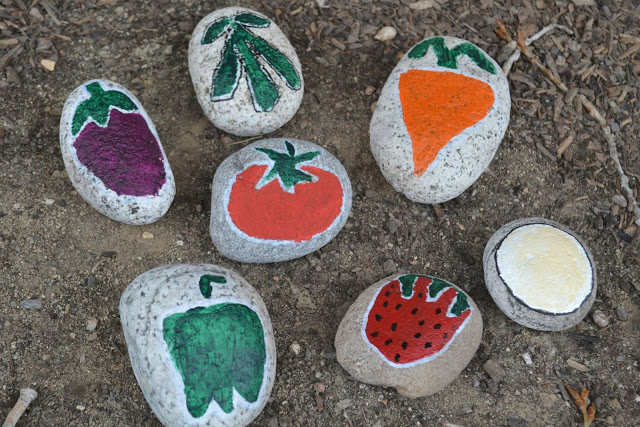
x: 113, y: 155
x: 440, y: 118
x: 414, y: 333
x: 201, y: 345
x: 278, y: 199
x: 246, y: 74
x: 540, y: 274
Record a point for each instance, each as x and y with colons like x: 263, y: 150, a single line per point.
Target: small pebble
x: 92, y: 324
x: 92, y: 337
x: 295, y: 348
x: 31, y: 304
x: 495, y: 371
x: 179, y: 243
x: 577, y: 365
x: 600, y: 319
x: 49, y: 202
x: 389, y: 266
x: 147, y: 235
x: 620, y: 200
x: 527, y: 358
x: 622, y: 314
x: 467, y: 410
x: 385, y: 34
x: 369, y: 90
x: 80, y: 408
x: 319, y: 387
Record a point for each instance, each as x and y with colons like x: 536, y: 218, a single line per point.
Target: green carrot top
x: 449, y: 57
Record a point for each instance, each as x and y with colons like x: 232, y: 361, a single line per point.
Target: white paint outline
x: 425, y: 359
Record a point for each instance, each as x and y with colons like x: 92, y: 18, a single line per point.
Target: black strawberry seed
x: 394, y: 326
x: 374, y: 334
x: 385, y: 304
x: 393, y: 286
x: 404, y: 345
x: 418, y: 335
x: 420, y: 295
x: 389, y: 341
x: 421, y: 323
x: 445, y: 335
x: 438, y: 311
x: 454, y: 327
x: 397, y: 358
x: 437, y: 326
x: 414, y: 311
x: 398, y: 306
x: 386, y: 294
x: 428, y: 344
x: 378, y: 317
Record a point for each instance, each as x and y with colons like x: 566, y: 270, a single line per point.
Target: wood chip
x: 422, y: 4
x: 8, y: 42
x: 633, y: 49
x: 545, y: 152
x: 565, y: 144
x: 48, y: 64
x: 577, y: 365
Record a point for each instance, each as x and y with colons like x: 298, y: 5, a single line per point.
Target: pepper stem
x: 285, y: 166
x: 98, y: 106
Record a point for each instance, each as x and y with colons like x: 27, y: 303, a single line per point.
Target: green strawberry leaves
x: 98, y: 106
x: 284, y: 166
x: 241, y: 52
x: 449, y: 57
x: 408, y: 280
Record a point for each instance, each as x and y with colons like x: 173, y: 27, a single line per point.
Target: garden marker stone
x: 278, y: 199
x: 540, y: 274
x: 113, y: 155
x: 440, y: 118
x: 411, y: 332
x: 246, y: 74
x: 201, y: 345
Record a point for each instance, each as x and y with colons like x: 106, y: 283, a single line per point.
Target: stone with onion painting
x: 246, y: 75
x: 412, y: 332
x: 201, y: 345
x: 440, y: 118
x: 540, y: 274
x: 112, y: 154
x: 278, y: 199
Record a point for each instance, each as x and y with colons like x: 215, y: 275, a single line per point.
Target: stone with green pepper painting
x: 201, y: 345
x: 246, y: 75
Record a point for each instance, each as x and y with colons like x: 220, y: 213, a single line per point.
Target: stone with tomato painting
x: 112, y: 154
x: 246, y: 75
x: 540, y: 274
x: 412, y: 332
x: 440, y: 118
x: 201, y: 345
x: 278, y: 199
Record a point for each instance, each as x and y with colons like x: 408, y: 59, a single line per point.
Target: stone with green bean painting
x: 246, y: 75
x: 201, y: 345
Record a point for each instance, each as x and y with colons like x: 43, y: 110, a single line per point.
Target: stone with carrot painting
x: 278, y: 199
x: 112, y: 154
x: 246, y: 75
x: 415, y: 333
x: 440, y: 118
x: 201, y: 345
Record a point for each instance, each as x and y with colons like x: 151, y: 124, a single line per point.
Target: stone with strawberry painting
x: 412, y: 332
x: 440, y: 118
x: 278, y: 199
x: 246, y: 75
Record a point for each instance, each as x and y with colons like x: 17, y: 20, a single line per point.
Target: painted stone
x: 540, y: 274
x: 278, y: 199
x: 201, y: 345
x: 113, y: 155
x: 440, y: 118
x: 411, y: 332
x: 247, y: 76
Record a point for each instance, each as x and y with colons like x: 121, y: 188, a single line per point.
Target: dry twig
x: 26, y: 397
x: 581, y: 399
x: 521, y: 43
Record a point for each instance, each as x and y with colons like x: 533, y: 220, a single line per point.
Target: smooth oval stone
x: 113, y: 155
x: 278, y: 199
x: 246, y: 74
x: 540, y: 274
x: 411, y: 332
x: 440, y: 118
x: 201, y: 345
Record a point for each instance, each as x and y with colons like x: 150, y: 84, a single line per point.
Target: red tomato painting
x: 283, y: 201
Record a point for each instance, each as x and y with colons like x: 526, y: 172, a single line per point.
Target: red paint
x: 271, y: 213
x: 406, y: 330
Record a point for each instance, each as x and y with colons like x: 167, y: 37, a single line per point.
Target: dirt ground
x: 56, y: 249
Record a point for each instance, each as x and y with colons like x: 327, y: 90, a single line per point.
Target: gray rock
x: 413, y: 333
x: 113, y: 155
x: 201, y: 345
x: 495, y: 371
x: 246, y: 74
x: 540, y: 274
x: 278, y: 199
x: 427, y: 146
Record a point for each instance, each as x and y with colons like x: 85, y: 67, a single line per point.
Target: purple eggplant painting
x: 113, y: 155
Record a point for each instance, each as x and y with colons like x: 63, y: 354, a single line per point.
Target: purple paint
x: 125, y: 155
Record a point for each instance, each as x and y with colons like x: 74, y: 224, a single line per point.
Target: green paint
x: 98, y: 106
x: 217, y: 349
x: 461, y: 303
x: 408, y: 280
x: 205, y: 284
x: 241, y: 50
x: 449, y: 58
x: 284, y: 165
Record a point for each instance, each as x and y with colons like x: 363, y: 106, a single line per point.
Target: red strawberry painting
x: 413, y: 319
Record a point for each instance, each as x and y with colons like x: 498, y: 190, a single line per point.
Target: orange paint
x: 438, y: 105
